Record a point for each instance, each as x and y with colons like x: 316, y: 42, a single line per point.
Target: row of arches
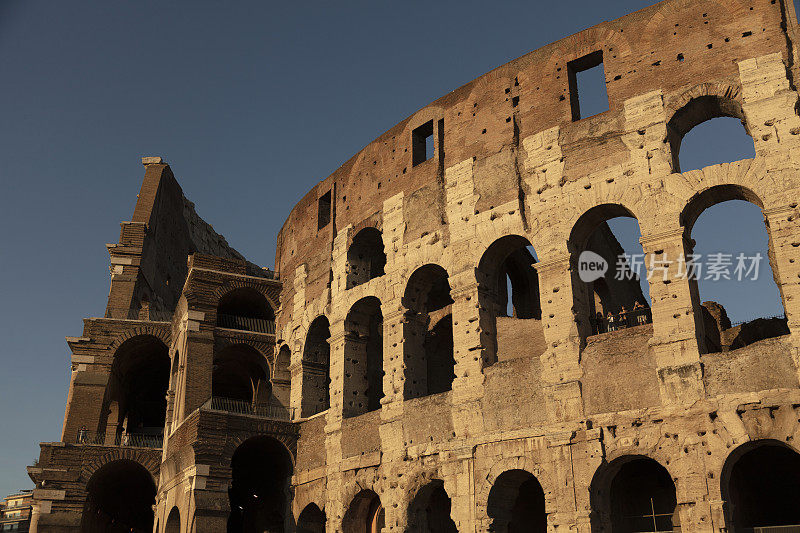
x: 759, y: 483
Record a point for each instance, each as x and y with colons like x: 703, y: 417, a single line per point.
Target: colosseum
x: 384, y: 377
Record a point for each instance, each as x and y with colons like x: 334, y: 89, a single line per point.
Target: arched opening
x: 633, y: 494
x: 741, y: 302
x: 120, y: 496
x: 363, y: 354
x: 617, y: 297
x: 317, y: 368
x: 760, y: 483
x: 428, y: 333
x: 136, y: 404
x: 245, y: 309
x: 509, y: 300
x: 261, y: 470
x: 241, y: 374
x: 173, y: 524
x: 708, y: 130
x: 430, y: 510
x: 516, y: 503
x: 366, y: 258
x: 365, y: 514
x: 311, y: 520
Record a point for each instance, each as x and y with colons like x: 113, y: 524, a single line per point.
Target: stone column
x: 677, y: 317
x: 561, y: 371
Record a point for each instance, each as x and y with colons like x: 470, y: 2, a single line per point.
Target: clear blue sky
x: 251, y: 103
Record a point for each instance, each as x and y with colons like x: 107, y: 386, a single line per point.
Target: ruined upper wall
x: 149, y: 264
x: 671, y: 47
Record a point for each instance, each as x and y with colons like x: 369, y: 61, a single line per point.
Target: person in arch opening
x: 641, y: 316
x: 623, y: 317
x: 611, y: 322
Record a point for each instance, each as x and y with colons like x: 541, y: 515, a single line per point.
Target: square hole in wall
x: 587, y: 85
x: 422, y: 143
x: 324, y: 210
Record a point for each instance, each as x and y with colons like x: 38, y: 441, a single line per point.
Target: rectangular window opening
x: 422, y: 143
x: 324, y: 210
x: 587, y: 86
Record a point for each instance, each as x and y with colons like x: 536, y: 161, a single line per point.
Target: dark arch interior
x: 762, y: 486
x: 317, y: 368
x: 311, y: 520
x: 120, y: 496
x: 365, y: 514
x: 245, y: 309
x: 516, y: 503
x: 241, y: 373
x: 430, y: 364
x: 261, y: 467
x: 363, y: 357
x: 636, y: 494
x: 138, y: 386
x: 173, y: 524
x: 615, y: 300
x: 698, y: 111
x: 366, y: 258
x: 430, y: 510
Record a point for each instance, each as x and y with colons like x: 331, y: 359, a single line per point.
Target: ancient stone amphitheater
x: 384, y: 378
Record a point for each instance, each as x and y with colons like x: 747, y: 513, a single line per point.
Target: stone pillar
x: 677, y: 317
x: 394, y: 366
x: 561, y: 371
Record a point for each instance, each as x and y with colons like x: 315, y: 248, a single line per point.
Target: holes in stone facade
x: 422, y: 143
x: 428, y: 333
x: 261, y: 469
x: 587, y: 86
x: 316, y: 368
x: 120, y: 497
x: 363, y: 358
x: 245, y: 309
x: 516, y: 503
x: 633, y: 493
x: 761, y: 484
x: 366, y: 258
x: 324, y: 206
x: 430, y: 510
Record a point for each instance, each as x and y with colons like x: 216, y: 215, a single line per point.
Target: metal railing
x: 244, y: 323
x: 124, y: 313
x: 241, y: 407
x: 134, y: 440
x: 753, y: 319
x: 625, y: 320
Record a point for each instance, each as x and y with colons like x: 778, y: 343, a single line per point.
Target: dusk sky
x: 251, y: 103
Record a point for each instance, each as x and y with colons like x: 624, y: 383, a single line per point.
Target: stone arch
x: 428, y: 333
x: 363, y: 353
x: 430, y: 509
x: 246, y: 308
x: 516, y: 500
x: 234, y: 284
x: 606, y: 302
x: 316, y: 368
x: 633, y: 492
x: 509, y: 262
x: 259, y: 492
x: 711, y: 328
x: 120, y: 495
x: 366, y: 256
x: 700, y: 104
x: 364, y: 513
x: 760, y: 485
x: 241, y: 373
x: 173, y: 524
x: 311, y: 520
x: 161, y: 333
x: 148, y: 460
x: 234, y: 440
